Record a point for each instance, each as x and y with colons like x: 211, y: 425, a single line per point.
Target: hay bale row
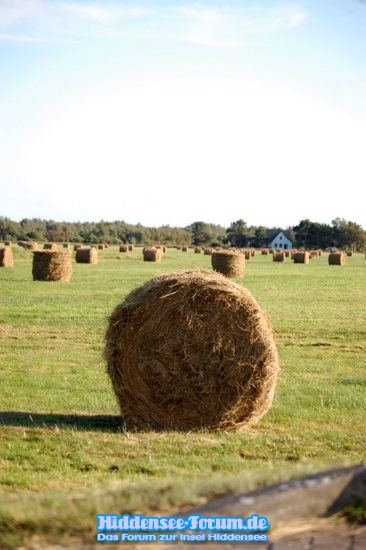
x: 337, y: 258
x: 229, y: 263
x: 52, y: 265
x: 191, y: 350
x: 6, y: 257
x: 86, y: 256
x: 152, y: 254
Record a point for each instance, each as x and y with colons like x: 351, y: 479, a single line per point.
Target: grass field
x: 63, y: 456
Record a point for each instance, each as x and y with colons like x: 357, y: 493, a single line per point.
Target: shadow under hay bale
x: 337, y: 258
x: 6, y: 257
x: 52, y: 265
x: 50, y: 246
x: 229, y: 263
x: 191, y: 350
x: 301, y: 257
x: 152, y: 254
x: 86, y: 256
x: 279, y: 256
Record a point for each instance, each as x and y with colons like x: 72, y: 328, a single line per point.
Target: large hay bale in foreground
x: 52, y: 265
x: 337, y: 258
x: 301, y: 257
x: 191, y: 350
x: 152, y: 254
x: 86, y: 256
x: 6, y: 257
x: 50, y: 246
x: 229, y: 263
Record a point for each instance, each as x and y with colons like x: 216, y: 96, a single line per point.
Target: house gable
x: 279, y: 239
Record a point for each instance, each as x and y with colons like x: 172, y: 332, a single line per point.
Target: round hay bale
x: 123, y: 248
x: 287, y: 253
x: 301, y: 257
x: 229, y: 263
x: 8, y: 243
x: 106, y: 245
x: 271, y: 251
x: 164, y: 248
x: 279, y: 256
x: 191, y: 350
x: 86, y: 256
x: 252, y: 252
x: 21, y: 243
x: 6, y: 257
x: 77, y: 247
x: 52, y: 265
x: 184, y: 248
x: 197, y: 250
x: 50, y: 246
x: 100, y: 246
x: 152, y: 254
x: 208, y: 251
x: 247, y: 254
x: 337, y: 258
x: 264, y: 251
x: 349, y: 252
x: 31, y: 246
x: 65, y: 245
x: 130, y: 247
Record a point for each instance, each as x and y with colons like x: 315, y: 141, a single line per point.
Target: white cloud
x: 15, y: 10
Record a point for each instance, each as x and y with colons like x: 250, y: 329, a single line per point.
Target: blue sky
x: 167, y: 112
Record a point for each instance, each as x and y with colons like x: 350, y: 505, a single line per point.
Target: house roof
x: 272, y: 234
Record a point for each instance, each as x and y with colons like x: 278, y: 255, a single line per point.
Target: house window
x: 280, y: 237
x: 285, y: 246
x: 280, y: 245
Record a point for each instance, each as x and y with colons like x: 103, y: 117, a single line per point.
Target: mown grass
x: 64, y: 456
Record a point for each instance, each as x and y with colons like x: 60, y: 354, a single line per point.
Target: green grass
x: 63, y: 457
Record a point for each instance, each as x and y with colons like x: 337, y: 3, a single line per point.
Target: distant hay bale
x: 65, y: 245
x: 123, y: 248
x: 86, y: 256
x: 94, y: 246
x: 264, y: 251
x: 314, y: 253
x: 6, y: 257
x: 279, y: 256
x: 337, y: 258
x: 52, y: 265
x: 106, y: 245
x: 191, y: 350
x: 184, y: 248
x: 21, y: 243
x: 130, y: 247
x: 247, y: 254
x: 178, y: 247
x: 208, y: 251
x: 301, y: 258
x: 164, y: 248
x: 252, y: 252
x: 197, y: 250
x: 100, y: 246
x: 152, y: 254
x: 349, y: 252
x: 50, y: 246
x: 30, y: 246
x: 287, y: 253
x: 77, y: 247
x: 229, y: 263
x: 8, y: 243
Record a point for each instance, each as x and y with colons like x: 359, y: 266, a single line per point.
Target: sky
x: 165, y: 112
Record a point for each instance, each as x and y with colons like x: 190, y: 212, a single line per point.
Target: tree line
x: 307, y: 234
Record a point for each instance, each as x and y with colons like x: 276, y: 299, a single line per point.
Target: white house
x: 280, y: 239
